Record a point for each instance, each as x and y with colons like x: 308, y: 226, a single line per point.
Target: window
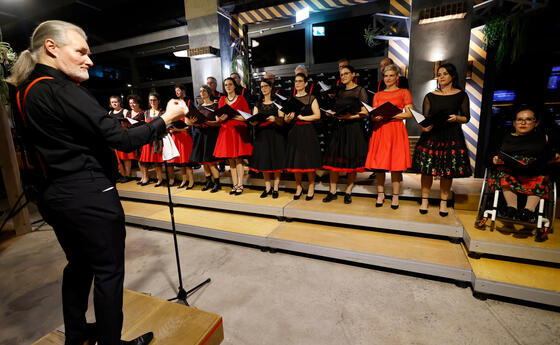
x: 278, y: 49
x: 345, y: 38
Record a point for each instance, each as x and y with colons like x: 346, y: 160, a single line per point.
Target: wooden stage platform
x: 171, y: 323
x: 397, y: 239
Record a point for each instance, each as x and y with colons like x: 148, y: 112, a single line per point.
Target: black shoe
x: 144, y: 183
x: 510, y: 212
x: 217, y: 186
x: 347, y: 198
x: 158, y: 184
x: 265, y: 194
x: 297, y: 196
x: 309, y: 198
x: 190, y: 187
x: 441, y: 213
x: 232, y: 191
x: 144, y: 339
x: 275, y: 194
x: 239, y: 190
x: 122, y: 179
x: 421, y: 210
x: 372, y: 176
x: 139, y: 182
x: 394, y: 207
x: 209, y: 184
x: 526, y: 215
x: 379, y: 204
x: 330, y: 197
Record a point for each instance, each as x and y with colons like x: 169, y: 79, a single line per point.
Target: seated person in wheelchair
x: 531, y: 148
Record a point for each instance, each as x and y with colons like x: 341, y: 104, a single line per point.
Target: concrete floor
x: 271, y: 298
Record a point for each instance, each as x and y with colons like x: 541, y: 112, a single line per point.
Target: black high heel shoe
x: 297, y: 196
x: 422, y: 211
x: 347, y: 198
x: 274, y: 194
x: 441, y: 213
x: 233, y: 190
x: 394, y: 207
x: 379, y: 204
x: 309, y: 198
x: 265, y: 193
x: 190, y: 187
x: 330, y: 197
x: 239, y: 190
x: 158, y: 184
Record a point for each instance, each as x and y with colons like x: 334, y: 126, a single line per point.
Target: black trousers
x: 85, y: 211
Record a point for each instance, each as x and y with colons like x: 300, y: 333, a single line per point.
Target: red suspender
x: 243, y: 92
x: 311, y: 89
x: 189, y: 103
x: 21, y: 108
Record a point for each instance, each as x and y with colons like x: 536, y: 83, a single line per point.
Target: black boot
x: 217, y: 186
x: 209, y: 183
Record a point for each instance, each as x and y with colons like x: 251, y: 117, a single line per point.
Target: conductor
x: 74, y: 140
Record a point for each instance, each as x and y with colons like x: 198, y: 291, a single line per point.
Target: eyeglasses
x: 525, y: 120
x: 344, y: 74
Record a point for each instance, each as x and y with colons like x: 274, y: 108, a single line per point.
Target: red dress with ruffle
x: 389, y: 148
x: 234, y: 140
x: 184, y: 143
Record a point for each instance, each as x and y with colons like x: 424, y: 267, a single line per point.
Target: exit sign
x: 318, y: 31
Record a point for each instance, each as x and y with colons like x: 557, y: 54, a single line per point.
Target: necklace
x: 231, y: 100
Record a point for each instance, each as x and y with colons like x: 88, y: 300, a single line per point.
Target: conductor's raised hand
x: 175, y: 110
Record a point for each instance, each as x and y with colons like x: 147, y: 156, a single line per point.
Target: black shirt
x: 72, y: 132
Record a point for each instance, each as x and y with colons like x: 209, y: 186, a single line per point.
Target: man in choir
x: 402, y: 82
x: 213, y: 84
x: 242, y: 90
x: 270, y: 76
x: 74, y: 138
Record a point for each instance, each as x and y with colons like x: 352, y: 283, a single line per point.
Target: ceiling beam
x: 157, y: 36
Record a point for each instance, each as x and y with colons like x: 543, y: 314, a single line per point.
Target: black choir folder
x: 386, y: 110
x: 511, y: 161
x: 292, y: 105
x: 424, y: 121
x: 230, y: 112
x: 196, y: 116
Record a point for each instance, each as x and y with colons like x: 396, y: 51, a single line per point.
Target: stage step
x: 512, y: 241
x: 436, y: 257
x: 171, y: 323
x: 362, y: 212
x: 523, y: 281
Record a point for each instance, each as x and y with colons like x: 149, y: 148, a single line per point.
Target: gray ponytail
x: 53, y: 29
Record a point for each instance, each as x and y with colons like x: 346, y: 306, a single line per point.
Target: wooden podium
x: 171, y: 323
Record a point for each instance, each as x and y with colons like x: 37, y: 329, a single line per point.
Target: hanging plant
x: 370, y: 34
x: 508, y: 35
x: 7, y: 59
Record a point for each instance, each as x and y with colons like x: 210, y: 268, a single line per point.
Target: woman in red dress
x: 183, y: 140
x: 233, y: 140
x: 125, y: 163
x: 389, y: 149
x: 151, y: 153
x: 137, y: 114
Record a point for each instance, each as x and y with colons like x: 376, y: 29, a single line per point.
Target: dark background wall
x: 446, y: 41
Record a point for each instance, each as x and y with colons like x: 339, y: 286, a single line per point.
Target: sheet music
x: 281, y: 97
x: 368, y: 108
x: 277, y: 105
x: 417, y: 116
x: 373, y: 93
x: 169, y: 150
x: 131, y: 120
x: 244, y: 114
x: 324, y: 87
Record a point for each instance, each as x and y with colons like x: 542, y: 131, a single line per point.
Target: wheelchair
x: 491, y: 204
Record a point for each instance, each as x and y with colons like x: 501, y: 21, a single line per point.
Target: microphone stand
x: 181, y: 293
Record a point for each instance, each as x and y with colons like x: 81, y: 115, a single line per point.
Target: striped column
x: 473, y: 87
x: 399, y: 49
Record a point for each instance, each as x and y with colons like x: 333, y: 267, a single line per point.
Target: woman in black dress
x: 205, y: 136
x: 441, y: 150
x: 303, y: 153
x: 270, y: 145
x: 138, y: 114
x: 531, y: 147
x: 347, y: 150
